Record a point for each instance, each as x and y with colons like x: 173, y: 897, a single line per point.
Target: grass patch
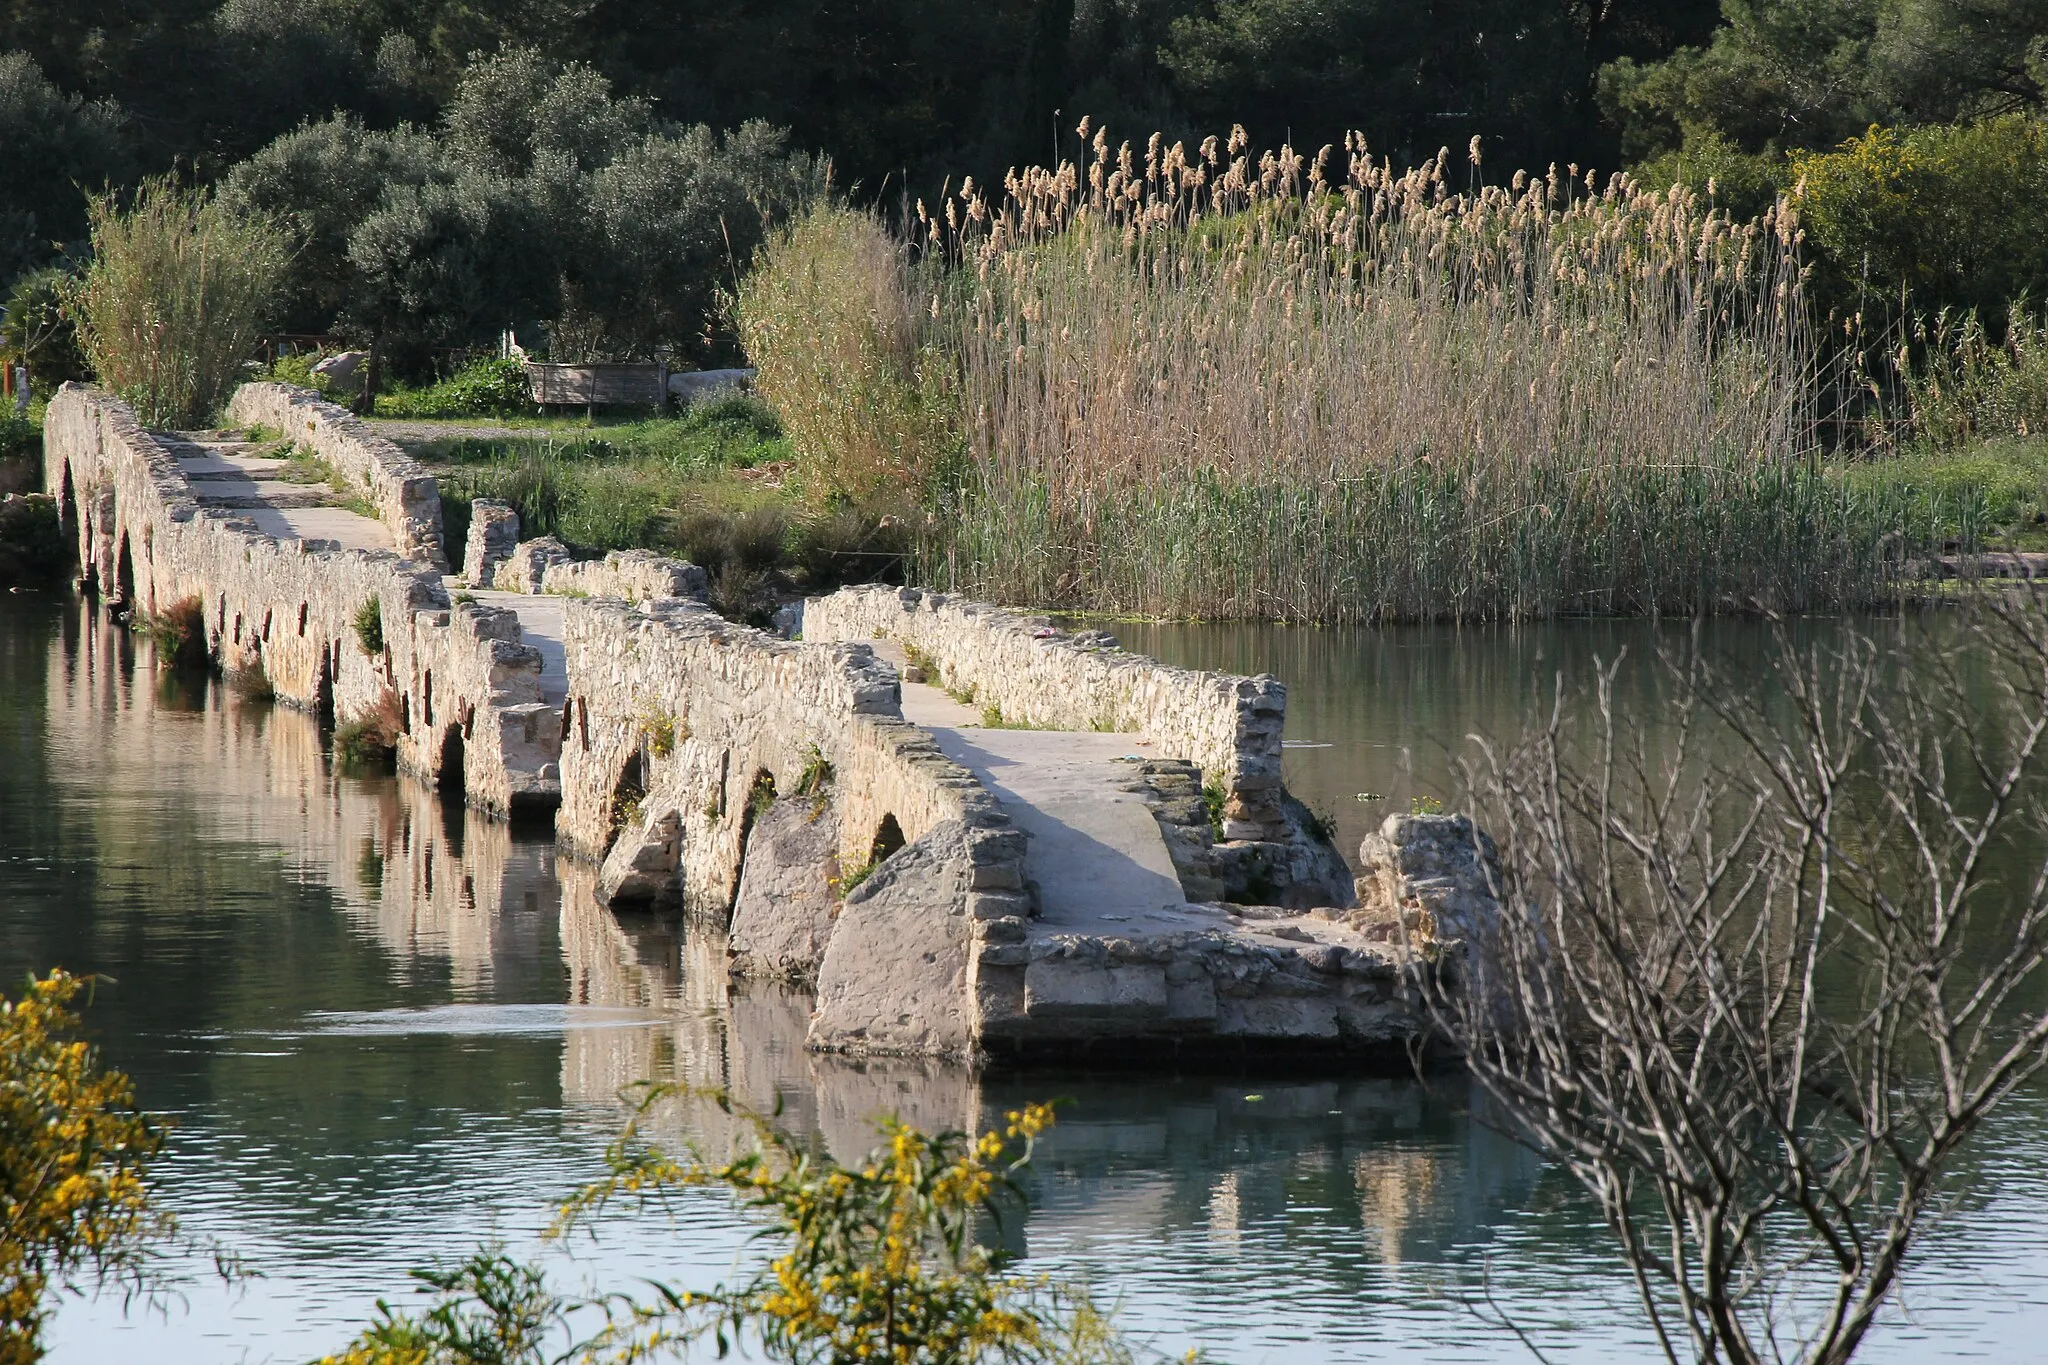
x: 711, y: 487
x: 484, y: 388
x: 302, y: 466
x: 369, y: 743
x: 1993, y: 493
x: 178, y: 632
x: 852, y: 879
x: 251, y: 682
x: 369, y: 627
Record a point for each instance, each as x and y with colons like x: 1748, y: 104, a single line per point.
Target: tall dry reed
x: 178, y: 294
x: 1225, y: 384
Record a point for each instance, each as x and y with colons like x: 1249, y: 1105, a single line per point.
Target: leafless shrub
x: 1759, y: 981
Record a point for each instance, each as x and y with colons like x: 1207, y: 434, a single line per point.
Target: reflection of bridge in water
x: 446, y: 891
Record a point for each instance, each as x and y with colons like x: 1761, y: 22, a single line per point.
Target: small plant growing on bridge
x: 251, y: 681
x: 814, y: 779
x: 369, y: 624
x: 1212, y: 806
x: 660, y: 730
x: 370, y: 742
x: 845, y: 884
x: 74, y: 1155
x: 178, y: 632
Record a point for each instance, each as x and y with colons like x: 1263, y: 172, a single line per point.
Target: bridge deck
x: 224, y: 472
x: 1095, y: 851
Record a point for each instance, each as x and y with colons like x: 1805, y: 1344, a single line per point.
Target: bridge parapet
x: 407, y: 497
x: 1041, y: 677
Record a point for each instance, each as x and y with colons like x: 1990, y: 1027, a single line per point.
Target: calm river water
x: 388, y: 1030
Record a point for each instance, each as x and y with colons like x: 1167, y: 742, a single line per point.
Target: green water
x: 388, y: 1029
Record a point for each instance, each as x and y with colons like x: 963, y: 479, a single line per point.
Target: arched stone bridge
x: 976, y: 834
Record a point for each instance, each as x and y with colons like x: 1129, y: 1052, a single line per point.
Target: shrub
x: 32, y: 545
x: 369, y: 627
x: 370, y: 741
x: 40, y: 331
x: 177, y: 294
x: 880, y: 1261
x: 483, y: 388
x: 21, y: 438
x: 1952, y: 215
x: 251, y: 682
x: 832, y: 319
x: 178, y: 632
x: 1967, y: 386
x: 74, y: 1156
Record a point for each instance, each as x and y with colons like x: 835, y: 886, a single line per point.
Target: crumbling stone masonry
x: 1226, y: 726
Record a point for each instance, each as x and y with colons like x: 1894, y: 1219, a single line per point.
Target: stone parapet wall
x: 458, y: 677
x: 629, y: 575
x: 1039, y: 676
x: 679, y: 711
x: 405, y: 495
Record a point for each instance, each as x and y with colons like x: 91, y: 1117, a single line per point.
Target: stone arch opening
x: 124, y: 577
x: 888, y: 838
x: 67, y: 512
x: 323, y: 694
x: 627, y: 793
x: 451, y: 778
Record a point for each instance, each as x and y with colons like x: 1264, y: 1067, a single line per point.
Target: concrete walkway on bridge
x: 226, y: 471
x: 1095, y: 853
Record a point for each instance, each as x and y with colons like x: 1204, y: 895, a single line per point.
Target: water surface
x: 388, y: 1029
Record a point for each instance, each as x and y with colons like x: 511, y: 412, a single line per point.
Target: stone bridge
x: 973, y: 833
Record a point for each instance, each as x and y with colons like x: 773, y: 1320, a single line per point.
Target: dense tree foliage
x: 458, y: 166
x: 541, y: 202
x: 1782, y: 74
x: 53, y: 144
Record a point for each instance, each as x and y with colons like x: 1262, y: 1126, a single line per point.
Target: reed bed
x: 1220, y: 384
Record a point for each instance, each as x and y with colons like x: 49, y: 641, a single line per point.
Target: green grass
x: 1991, y: 494
x: 709, y: 487
x: 481, y: 389
x: 728, y: 433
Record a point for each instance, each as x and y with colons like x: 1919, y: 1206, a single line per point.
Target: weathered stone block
x: 782, y: 919
x: 493, y: 536
x: 895, y: 974
x: 1065, y: 989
